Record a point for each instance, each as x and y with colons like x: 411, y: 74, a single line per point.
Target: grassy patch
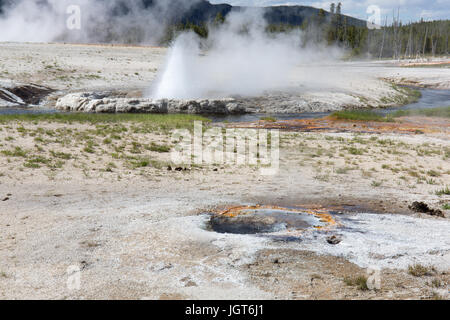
x: 376, y: 184
x: 355, y: 151
x: 343, y: 170
x: 366, y: 115
x: 418, y: 270
x: 269, y: 119
x: 89, y: 148
x: 435, y: 283
x: 158, y: 148
x: 443, y: 191
x: 17, y: 152
x: 166, y: 121
x: 406, y: 95
x: 360, y: 115
x: 443, y: 112
x: 61, y: 155
x: 360, y: 282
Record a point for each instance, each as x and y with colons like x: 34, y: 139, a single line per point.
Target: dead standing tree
x: 396, y: 29
x: 408, y: 49
x: 383, y: 39
x: 425, y: 42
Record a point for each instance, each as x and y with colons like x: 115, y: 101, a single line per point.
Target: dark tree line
x: 397, y: 40
x: 410, y: 40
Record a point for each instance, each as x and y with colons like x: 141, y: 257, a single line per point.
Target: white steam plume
x: 234, y: 62
x: 45, y: 20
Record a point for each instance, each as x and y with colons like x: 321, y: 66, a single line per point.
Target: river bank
x: 128, y: 73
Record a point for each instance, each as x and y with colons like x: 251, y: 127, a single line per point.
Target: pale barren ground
x: 103, y: 199
x: 77, y: 67
x: 72, y: 68
x: 100, y: 197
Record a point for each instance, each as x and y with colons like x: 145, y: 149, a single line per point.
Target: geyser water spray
x: 240, y: 59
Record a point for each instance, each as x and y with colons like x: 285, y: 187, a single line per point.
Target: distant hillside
x: 203, y: 11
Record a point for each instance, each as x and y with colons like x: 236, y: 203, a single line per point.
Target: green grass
x: 446, y: 206
x: 167, y: 121
x: 269, y: 119
x: 376, y: 184
x: 407, y: 95
x: 418, y: 270
x: 355, y: 151
x: 442, y: 112
x: 343, y: 170
x: 158, y: 148
x: 360, y: 115
x: 366, y: 115
x: 435, y: 283
x: 61, y: 155
x: 443, y: 191
x: 359, y: 282
x: 17, y: 152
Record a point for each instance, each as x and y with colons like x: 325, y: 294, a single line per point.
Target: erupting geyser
x: 179, y: 80
x: 239, y: 58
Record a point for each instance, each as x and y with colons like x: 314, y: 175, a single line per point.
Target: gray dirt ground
x: 140, y: 233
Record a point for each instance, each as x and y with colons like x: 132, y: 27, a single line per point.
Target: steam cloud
x: 239, y: 58
x: 129, y: 21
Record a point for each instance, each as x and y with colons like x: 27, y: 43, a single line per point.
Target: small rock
x: 334, y: 240
x: 179, y: 169
x: 5, y: 199
x: 190, y: 284
x: 169, y: 168
x: 422, y: 207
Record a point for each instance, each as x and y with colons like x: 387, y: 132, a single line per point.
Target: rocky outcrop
x: 104, y: 103
x: 14, y: 94
x: 111, y: 102
x: 422, y: 207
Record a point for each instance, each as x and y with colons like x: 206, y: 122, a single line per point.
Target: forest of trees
x: 397, y: 40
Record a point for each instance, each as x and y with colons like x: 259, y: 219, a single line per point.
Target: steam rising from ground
x: 239, y: 58
x: 129, y: 21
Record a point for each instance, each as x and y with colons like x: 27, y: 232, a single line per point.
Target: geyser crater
x: 268, y: 219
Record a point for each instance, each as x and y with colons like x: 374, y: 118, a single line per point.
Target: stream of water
x: 431, y: 98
